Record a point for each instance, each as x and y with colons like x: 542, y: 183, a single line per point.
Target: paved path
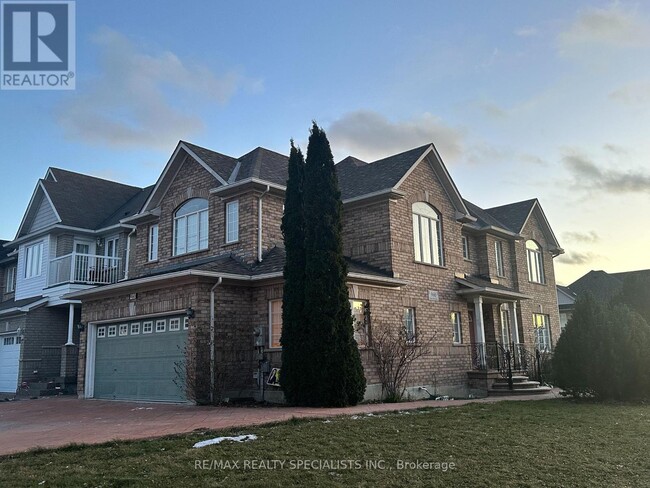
x: 57, y: 421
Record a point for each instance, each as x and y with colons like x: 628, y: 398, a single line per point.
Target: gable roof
x: 361, y: 179
x: 484, y: 219
x: 220, y: 163
x: 130, y: 208
x: 77, y: 200
x: 602, y: 285
x: 513, y: 215
x: 85, y: 201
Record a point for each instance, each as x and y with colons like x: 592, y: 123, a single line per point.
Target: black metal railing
x: 511, y: 358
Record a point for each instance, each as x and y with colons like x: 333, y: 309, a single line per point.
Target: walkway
x: 57, y: 421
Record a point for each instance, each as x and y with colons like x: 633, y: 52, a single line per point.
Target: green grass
x: 541, y: 443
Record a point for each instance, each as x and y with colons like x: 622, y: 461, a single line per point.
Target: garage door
x: 141, y: 360
x: 9, y: 356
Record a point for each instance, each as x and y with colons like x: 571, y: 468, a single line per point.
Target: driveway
x: 57, y: 421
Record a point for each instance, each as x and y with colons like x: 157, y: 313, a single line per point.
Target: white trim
x: 235, y: 172
x: 203, y: 163
x: 142, y: 317
x: 246, y: 181
x: 374, y: 194
x: 91, y: 349
x: 50, y: 173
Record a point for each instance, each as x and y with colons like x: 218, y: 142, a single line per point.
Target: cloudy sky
x: 523, y: 99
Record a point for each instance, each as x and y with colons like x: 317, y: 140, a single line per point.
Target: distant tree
x: 295, y: 356
x: 603, y: 353
x: 635, y: 293
x: 335, y: 377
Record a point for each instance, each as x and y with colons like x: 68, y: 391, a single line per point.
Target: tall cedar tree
x: 293, y: 302
x: 333, y: 371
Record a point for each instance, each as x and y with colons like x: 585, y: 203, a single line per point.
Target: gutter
x: 259, y: 223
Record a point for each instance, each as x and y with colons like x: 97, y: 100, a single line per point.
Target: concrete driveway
x: 57, y: 421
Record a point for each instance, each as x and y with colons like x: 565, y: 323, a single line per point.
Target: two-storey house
x: 205, y: 279
x: 70, y: 238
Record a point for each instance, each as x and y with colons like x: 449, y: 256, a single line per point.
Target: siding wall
x: 32, y: 287
x: 44, y: 215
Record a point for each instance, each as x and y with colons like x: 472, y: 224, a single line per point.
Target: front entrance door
x: 82, y: 261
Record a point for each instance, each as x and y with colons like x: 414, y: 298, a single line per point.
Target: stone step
x: 540, y: 390
x: 520, y: 385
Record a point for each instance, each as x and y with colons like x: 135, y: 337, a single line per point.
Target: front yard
x: 540, y: 443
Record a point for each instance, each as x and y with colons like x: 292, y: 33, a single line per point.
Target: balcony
x: 87, y: 269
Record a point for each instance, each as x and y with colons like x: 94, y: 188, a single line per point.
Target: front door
x: 505, y: 327
x: 82, y: 261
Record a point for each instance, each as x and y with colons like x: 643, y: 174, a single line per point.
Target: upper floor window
x: 191, y: 226
x: 153, y: 243
x: 33, y: 260
x: 535, y: 262
x: 427, y: 234
x: 232, y: 221
x: 465, y: 243
x: 498, y: 251
x: 10, y: 284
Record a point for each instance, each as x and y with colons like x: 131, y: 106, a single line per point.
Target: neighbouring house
x: 566, y: 303
x: 205, y: 279
x: 601, y: 285
x: 70, y: 238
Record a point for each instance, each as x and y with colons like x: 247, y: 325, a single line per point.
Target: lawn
x: 541, y: 443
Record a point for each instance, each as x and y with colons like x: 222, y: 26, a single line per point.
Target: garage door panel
x: 9, y: 360
x: 140, y: 366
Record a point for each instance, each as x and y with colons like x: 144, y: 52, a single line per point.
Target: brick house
x: 206, y: 272
x: 70, y: 238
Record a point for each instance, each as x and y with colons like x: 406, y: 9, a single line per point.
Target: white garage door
x: 9, y: 355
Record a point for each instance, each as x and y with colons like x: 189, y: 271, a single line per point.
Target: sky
x: 523, y: 99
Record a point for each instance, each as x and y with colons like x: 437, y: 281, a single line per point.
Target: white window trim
x: 125, y: 328
x: 186, y: 323
x: 235, y: 237
x: 457, y: 327
x: 163, y: 323
x: 174, y: 324
x: 101, y: 332
x: 362, y: 340
x: 112, y: 331
x: 435, y: 237
x: 147, y: 325
x: 152, y: 251
x: 535, y: 261
x: 10, y: 282
x: 135, y: 328
x: 29, y: 267
x: 184, y: 218
x: 271, y: 346
x: 498, y: 253
x: 465, y: 247
x: 546, y: 327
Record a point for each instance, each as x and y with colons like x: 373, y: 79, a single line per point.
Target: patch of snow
x: 219, y: 440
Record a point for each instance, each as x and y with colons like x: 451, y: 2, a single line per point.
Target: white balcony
x: 86, y: 269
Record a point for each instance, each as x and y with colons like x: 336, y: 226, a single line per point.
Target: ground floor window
x: 456, y: 327
x: 360, y: 319
x: 542, y: 327
x: 275, y: 323
x: 409, y: 324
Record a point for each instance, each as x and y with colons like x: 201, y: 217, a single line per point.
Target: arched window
x: 191, y: 226
x: 427, y: 234
x: 535, y: 262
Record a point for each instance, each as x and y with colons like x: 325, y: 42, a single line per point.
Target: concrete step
x: 517, y: 385
x: 540, y: 390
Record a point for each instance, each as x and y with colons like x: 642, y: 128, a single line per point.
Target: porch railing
x: 84, y: 268
x: 511, y: 358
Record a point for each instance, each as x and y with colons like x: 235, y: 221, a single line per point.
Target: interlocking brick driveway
x: 57, y: 421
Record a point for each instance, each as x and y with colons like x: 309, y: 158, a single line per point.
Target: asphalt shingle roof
x: 358, y: 179
x: 131, y: 207
x: 513, y: 215
x: 86, y: 201
x: 265, y: 165
x: 220, y: 163
x: 604, y: 286
x: 18, y: 303
x: 3, y: 250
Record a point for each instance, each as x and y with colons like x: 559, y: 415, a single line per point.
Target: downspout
x: 212, y: 354
x: 259, y: 224
x: 128, y: 254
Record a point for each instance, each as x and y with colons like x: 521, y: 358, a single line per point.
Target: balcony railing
x: 84, y: 268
